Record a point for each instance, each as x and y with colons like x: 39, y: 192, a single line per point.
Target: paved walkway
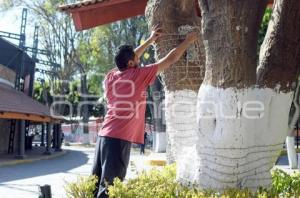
x: 283, y: 163
x: 22, y: 180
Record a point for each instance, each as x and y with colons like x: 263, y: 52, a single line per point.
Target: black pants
x: 111, y: 161
x: 142, y: 151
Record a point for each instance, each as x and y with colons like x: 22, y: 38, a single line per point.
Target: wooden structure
x: 17, y: 108
x: 89, y: 14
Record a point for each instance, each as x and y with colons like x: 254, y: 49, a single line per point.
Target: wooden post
x: 55, y: 138
x: 21, y: 140
x: 59, y: 138
x: 48, y: 139
x: 45, y: 191
x: 43, y: 135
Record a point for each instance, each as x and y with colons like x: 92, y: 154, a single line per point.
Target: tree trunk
x: 280, y: 52
x: 59, y: 99
x: 280, y: 61
x: 84, y: 101
x: 290, y: 139
x: 157, y: 99
x: 157, y: 110
x: 242, y: 126
x: 183, y: 79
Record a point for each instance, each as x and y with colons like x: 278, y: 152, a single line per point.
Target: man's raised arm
x: 156, y: 33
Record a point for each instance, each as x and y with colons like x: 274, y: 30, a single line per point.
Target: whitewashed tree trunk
x: 291, y: 152
x: 290, y: 139
x: 241, y: 133
x: 183, y: 79
x: 159, y: 126
x: 280, y: 60
x: 242, y: 126
x: 242, y: 111
x: 180, y: 121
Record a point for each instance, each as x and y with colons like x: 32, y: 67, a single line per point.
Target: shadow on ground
x: 70, y: 160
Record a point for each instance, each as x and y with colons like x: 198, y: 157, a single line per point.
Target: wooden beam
x: 77, y: 21
x: 23, y: 116
x: 100, y: 14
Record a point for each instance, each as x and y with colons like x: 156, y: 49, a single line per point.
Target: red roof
x: 79, y: 4
x: 91, y: 13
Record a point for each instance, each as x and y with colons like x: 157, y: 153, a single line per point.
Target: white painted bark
x: 238, y: 140
x: 181, y: 125
x: 291, y: 152
x: 290, y: 139
x: 182, y: 79
x: 160, y: 142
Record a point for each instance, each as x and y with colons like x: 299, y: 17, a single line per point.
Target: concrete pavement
x: 283, y: 163
x: 22, y: 180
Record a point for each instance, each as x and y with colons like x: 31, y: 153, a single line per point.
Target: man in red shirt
x: 124, y: 123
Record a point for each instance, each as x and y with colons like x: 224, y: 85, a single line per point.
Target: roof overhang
x: 91, y: 13
x: 24, y: 116
x: 17, y: 105
x: 88, y: 15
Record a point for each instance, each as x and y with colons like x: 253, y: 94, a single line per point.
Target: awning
x: 16, y: 105
x: 91, y: 13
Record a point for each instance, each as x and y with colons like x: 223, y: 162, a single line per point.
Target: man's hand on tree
x: 155, y: 33
x: 192, y: 37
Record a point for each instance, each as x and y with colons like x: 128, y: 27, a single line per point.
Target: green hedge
x: 162, y: 184
x: 82, y: 188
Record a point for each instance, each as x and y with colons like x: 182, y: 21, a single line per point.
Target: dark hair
x: 125, y: 53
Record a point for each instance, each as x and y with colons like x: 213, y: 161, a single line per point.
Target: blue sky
x: 10, y: 21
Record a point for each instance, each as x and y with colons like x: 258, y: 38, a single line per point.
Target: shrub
x: 285, y: 184
x: 162, y: 184
x: 84, y: 187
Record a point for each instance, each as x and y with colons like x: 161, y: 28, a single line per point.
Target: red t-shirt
x: 126, y: 101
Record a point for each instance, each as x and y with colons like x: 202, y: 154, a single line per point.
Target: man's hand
x: 192, y: 37
x: 155, y: 33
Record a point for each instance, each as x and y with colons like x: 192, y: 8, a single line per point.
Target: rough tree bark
x: 242, y: 124
x: 280, y: 60
x: 183, y: 79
